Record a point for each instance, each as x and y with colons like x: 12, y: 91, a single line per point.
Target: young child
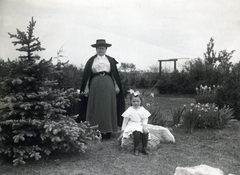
x: 135, y: 119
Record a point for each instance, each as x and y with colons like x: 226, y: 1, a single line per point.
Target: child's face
x: 136, y: 102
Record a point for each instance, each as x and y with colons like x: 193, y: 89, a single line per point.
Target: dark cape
x: 87, y: 74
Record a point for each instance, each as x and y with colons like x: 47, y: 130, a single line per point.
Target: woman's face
x: 136, y: 102
x: 101, y: 50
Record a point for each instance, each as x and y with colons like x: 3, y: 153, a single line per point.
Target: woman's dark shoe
x: 108, y: 135
x: 144, y: 151
x: 136, y: 151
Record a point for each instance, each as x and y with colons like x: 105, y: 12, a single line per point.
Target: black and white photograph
x: 119, y: 87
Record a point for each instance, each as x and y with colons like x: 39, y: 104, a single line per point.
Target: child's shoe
x: 144, y: 151
x: 136, y: 151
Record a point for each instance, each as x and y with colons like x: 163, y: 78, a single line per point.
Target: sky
x: 140, y: 31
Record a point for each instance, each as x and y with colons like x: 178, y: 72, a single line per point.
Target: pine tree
x: 33, y: 119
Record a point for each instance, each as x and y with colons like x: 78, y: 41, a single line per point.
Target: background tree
x: 210, y: 58
x: 127, y: 67
x: 153, y: 68
x: 3, y: 68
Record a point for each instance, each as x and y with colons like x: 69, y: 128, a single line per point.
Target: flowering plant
x: 206, y: 94
x: 203, y: 116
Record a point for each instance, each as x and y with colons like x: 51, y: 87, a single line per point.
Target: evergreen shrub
x: 33, y: 111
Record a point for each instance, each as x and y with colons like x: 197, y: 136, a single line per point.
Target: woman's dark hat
x: 101, y: 42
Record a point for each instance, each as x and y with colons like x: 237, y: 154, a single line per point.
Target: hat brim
x: 104, y: 45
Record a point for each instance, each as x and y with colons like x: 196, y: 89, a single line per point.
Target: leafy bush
x: 73, y: 96
x: 69, y: 76
x: 138, y: 79
x: 175, y: 83
x: 229, y: 93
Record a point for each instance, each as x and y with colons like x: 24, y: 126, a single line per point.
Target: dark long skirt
x: 102, y: 104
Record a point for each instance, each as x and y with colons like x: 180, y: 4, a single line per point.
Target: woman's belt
x: 103, y: 73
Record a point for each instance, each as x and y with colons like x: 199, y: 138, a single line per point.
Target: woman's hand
x: 86, y: 90
x: 85, y: 93
x: 117, y: 90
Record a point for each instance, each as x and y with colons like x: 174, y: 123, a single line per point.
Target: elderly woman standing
x: 103, y: 101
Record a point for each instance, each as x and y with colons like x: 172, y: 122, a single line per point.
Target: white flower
x: 148, y: 104
x: 152, y: 94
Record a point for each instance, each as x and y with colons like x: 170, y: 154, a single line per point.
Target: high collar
x: 101, y: 57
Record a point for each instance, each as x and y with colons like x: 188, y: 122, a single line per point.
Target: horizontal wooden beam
x: 168, y: 60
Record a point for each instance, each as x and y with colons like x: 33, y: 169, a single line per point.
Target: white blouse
x: 133, y: 120
x: 101, y: 64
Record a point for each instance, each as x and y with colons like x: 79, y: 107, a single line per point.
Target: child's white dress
x: 133, y: 120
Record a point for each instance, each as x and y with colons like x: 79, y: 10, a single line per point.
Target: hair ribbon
x: 134, y: 93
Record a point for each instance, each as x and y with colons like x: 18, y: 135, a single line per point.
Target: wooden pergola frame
x: 160, y: 67
x: 160, y: 64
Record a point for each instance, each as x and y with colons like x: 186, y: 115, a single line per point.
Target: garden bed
x: 214, y: 147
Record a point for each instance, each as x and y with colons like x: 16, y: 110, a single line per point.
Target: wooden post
x: 175, y: 65
x: 160, y: 68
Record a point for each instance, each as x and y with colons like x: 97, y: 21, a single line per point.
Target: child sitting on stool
x: 135, y: 119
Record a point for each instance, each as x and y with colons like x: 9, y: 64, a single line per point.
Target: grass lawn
x: 216, y: 148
